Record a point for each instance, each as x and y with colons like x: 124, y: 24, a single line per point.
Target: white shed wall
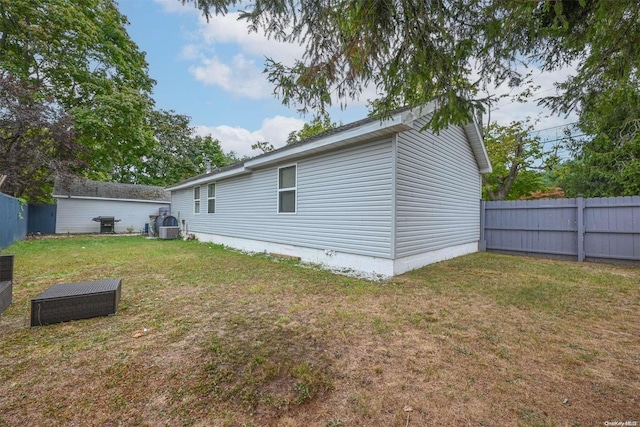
x: 75, y: 215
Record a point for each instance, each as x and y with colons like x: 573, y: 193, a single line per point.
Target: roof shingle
x: 79, y: 187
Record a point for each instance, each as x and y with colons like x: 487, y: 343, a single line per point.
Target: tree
x: 233, y: 157
x: 317, y: 125
x: 177, y: 153
x: 513, y: 153
x: 211, y: 151
x: 79, y: 55
x: 263, y: 146
x: 36, y: 140
x: 608, y: 164
x: 417, y: 51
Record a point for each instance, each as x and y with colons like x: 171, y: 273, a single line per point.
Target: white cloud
x: 274, y: 130
x: 277, y: 129
x: 190, y: 52
x: 243, y: 75
x: 240, y: 77
x: 228, y: 29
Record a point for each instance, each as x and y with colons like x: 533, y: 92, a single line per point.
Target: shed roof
x: 84, y: 188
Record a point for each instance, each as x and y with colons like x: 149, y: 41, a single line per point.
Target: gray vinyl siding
x: 344, y: 203
x: 437, y: 191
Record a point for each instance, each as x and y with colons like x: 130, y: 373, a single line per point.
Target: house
x: 79, y: 201
x: 377, y: 197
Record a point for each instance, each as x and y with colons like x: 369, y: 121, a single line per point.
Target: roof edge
x: 474, y: 135
x: 66, y: 196
x: 399, y: 121
x: 209, y: 177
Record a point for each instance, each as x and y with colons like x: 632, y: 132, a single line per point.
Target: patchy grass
x: 229, y: 339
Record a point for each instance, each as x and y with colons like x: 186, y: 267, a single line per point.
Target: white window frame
x: 294, y: 189
x: 197, y: 203
x: 209, y: 199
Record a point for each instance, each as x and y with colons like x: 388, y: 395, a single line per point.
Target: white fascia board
x: 66, y: 196
x: 472, y: 130
x: 210, y: 178
x: 399, y: 122
x: 415, y: 113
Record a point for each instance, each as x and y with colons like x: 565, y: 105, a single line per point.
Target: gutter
x: 67, y: 196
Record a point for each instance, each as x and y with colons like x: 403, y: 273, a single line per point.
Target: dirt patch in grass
x: 206, y: 336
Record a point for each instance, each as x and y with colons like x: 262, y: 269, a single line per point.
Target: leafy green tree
x: 263, y: 146
x: 417, y: 51
x: 317, y: 125
x: 608, y: 164
x: 513, y: 154
x: 177, y: 153
x: 36, y: 140
x: 211, y: 151
x: 79, y: 54
x: 233, y: 157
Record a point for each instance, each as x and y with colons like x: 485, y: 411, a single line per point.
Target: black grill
x: 107, y: 224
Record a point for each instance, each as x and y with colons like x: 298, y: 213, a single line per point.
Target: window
x: 196, y: 200
x: 211, y: 198
x: 287, y: 189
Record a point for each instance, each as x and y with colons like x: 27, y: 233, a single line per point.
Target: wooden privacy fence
x: 18, y: 220
x: 592, y: 229
x: 13, y: 221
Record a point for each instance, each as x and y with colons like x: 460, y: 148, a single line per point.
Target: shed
x: 80, y: 200
x: 380, y: 197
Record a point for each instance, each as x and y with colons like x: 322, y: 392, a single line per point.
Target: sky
x: 212, y: 72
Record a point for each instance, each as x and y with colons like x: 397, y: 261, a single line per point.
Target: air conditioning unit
x: 168, y: 233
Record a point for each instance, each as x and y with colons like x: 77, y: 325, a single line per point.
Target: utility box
x: 152, y: 225
x: 168, y: 233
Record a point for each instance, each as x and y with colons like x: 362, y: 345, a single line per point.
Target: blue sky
x: 212, y: 72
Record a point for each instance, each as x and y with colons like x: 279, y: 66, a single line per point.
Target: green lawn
x: 206, y: 336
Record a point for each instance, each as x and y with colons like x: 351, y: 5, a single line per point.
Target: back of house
x: 375, y: 197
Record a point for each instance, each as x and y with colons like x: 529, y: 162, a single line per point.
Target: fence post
x: 482, y: 244
x: 580, y: 220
